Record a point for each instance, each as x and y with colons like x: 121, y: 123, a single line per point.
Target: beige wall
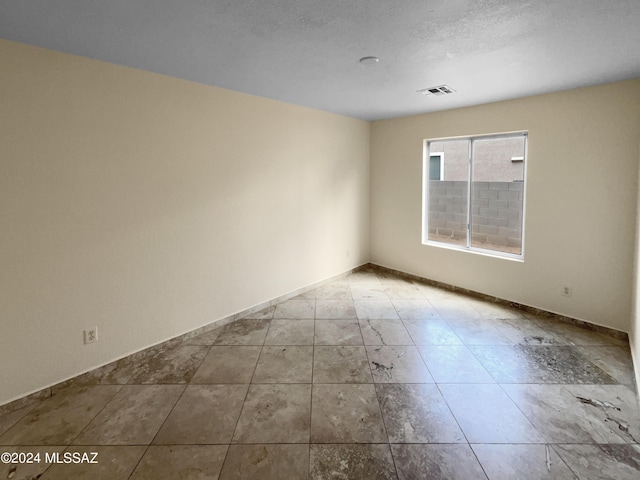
x: 585, y: 140
x: 150, y: 206
x: 634, y: 332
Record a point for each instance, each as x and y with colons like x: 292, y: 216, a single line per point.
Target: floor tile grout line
x: 313, y: 368
x: 546, y: 438
x: 376, y: 388
x: 255, y: 367
x: 481, y: 364
x: 551, y: 446
x: 139, y: 460
x: 375, y: 393
x: 226, y: 455
x: 479, y: 462
x: 171, y: 411
x: 366, y: 352
x: 444, y: 398
x: 563, y: 386
x: 244, y: 401
x: 18, y: 420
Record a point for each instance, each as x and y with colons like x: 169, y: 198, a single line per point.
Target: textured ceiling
x: 306, y: 51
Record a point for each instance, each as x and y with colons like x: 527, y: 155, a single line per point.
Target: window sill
x: 477, y: 251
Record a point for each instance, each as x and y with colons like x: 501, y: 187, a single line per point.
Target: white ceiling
x: 306, y: 51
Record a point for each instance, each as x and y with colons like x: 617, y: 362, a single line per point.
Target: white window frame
x: 425, y: 195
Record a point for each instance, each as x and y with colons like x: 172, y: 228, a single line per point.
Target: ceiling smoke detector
x: 369, y: 60
x: 441, y: 90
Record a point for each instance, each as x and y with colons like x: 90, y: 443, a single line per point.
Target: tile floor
x: 369, y: 377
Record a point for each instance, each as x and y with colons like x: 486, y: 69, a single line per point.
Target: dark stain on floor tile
x: 627, y: 454
x: 568, y: 366
x: 176, y: 365
x: 611, y: 413
x: 539, y: 364
x: 244, y: 332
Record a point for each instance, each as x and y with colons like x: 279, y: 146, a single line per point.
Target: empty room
x: 293, y: 239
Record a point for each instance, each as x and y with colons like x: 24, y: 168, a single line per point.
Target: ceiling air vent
x: 441, y: 90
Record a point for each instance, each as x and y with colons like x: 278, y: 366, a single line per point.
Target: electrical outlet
x: 91, y: 335
x: 566, y: 291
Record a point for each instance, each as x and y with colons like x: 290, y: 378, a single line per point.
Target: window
x: 436, y: 166
x: 474, y: 192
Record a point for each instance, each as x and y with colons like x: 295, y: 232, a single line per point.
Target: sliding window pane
x: 497, y: 193
x: 448, y: 191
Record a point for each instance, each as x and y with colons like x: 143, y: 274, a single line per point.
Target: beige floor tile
x: 335, y: 309
x: 375, y: 309
x: 524, y: 331
x: 580, y: 413
x: 478, y: 332
x: 284, y: 364
x: 341, y: 365
x: 431, y: 332
x: 397, y: 364
x: 243, y: 332
x: 525, y: 462
x: 346, y: 414
x: 266, y: 462
x: 369, y: 461
x: 500, y: 421
x: 403, y: 291
x: 263, y: 314
x: 207, y: 338
x: 492, y: 310
x: 192, y: 462
x: 455, y: 307
x: 454, y: 364
x: 290, y: 332
x: 133, y: 417
x: 337, y: 291
x: 59, y: 419
x: 205, y: 414
x: 436, y: 462
x: 417, y: 413
x: 602, y: 462
x: 228, y: 364
x: 616, y: 361
x: 301, y: 309
x: 29, y: 468
x: 415, y: 309
x: 176, y: 365
x: 338, y: 332
x: 10, y: 419
x: 575, y: 335
x: 384, y: 332
x: 368, y: 291
x: 275, y: 414
x: 113, y: 463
